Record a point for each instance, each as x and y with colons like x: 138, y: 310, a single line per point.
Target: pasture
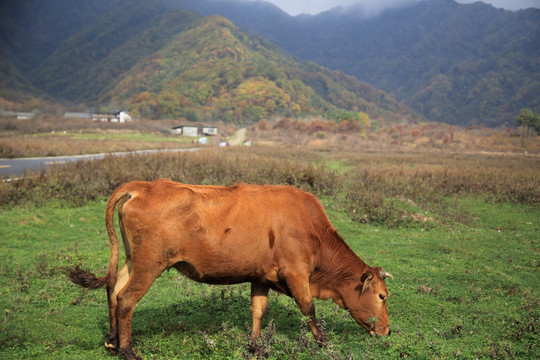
x: 459, y: 232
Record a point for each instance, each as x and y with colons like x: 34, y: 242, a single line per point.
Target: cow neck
x: 338, y: 263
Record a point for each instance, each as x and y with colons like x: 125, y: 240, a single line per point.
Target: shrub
x: 83, y: 181
x: 384, y: 188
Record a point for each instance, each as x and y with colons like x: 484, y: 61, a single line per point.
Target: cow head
x: 366, y: 300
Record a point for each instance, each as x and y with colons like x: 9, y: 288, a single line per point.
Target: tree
x: 527, y: 120
x: 168, y: 105
x: 364, y: 118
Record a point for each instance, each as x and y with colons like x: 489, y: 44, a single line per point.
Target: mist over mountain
x: 374, y: 7
x: 453, y: 63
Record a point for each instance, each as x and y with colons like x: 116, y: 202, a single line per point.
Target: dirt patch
x: 238, y: 138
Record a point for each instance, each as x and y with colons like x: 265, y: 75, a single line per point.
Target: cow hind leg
x: 298, y: 283
x: 111, y: 341
x: 138, y: 284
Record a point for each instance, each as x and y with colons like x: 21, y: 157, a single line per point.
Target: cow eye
x: 382, y: 297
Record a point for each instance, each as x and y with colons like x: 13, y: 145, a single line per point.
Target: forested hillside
x: 160, y: 62
x: 215, y: 71
x: 454, y: 63
x: 88, y: 63
x: 31, y: 30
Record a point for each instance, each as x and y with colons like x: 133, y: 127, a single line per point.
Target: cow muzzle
x: 372, y: 329
x: 369, y: 327
x: 384, y: 331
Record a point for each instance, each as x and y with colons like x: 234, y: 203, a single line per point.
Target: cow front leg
x: 316, y: 329
x: 259, y: 299
x: 298, y: 284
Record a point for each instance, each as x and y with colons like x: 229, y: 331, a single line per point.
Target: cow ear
x: 365, y: 279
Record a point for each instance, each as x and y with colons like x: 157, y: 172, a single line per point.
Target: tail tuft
x: 86, y: 279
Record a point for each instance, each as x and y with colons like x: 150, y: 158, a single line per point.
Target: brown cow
x: 275, y: 237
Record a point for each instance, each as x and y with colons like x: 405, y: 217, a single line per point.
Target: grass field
x: 60, y: 136
x: 459, y: 232
x: 36, y: 145
x: 459, y: 292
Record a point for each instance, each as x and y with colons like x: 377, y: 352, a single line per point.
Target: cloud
x: 372, y: 7
x: 316, y: 6
x: 508, y: 4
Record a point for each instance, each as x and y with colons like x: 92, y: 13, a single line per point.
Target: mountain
x: 215, y: 71
x: 88, y: 62
x: 160, y: 60
x: 31, y: 30
x: 13, y: 85
x: 454, y: 63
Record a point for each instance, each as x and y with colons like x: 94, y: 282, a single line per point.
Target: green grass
x: 459, y: 291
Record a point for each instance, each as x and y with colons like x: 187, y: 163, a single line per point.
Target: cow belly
x: 218, y: 276
x: 269, y: 276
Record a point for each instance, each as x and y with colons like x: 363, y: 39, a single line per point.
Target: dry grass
x: 400, y: 188
x: 391, y: 189
x: 379, y: 177
x: 432, y: 137
x: 83, y: 181
x: 17, y: 147
x: 49, y: 136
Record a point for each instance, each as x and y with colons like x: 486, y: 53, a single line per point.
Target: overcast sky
x: 295, y: 7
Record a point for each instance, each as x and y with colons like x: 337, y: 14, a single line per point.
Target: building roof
x: 77, y: 115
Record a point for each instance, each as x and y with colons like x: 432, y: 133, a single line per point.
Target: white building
x: 194, y: 130
x: 119, y: 117
x: 122, y: 117
x: 77, y: 115
x: 17, y: 115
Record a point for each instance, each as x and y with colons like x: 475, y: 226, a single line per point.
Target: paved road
x: 10, y: 168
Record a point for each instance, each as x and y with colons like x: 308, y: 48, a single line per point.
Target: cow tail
x: 87, y: 279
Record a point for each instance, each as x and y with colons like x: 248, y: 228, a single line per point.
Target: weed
x: 42, y: 265
x: 23, y: 280
x: 262, y: 347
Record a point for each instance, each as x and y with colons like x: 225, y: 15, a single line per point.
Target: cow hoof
x: 111, y: 344
x: 258, y: 349
x: 129, y: 354
x: 111, y: 347
x: 321, y: 340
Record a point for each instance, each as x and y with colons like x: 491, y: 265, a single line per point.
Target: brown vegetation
x: 403, y: 175
x: 15, y: 139
x: 396, y: 189
x: 63, y: 145
x: 47, y: 124
x: 399, y: 137
x: 52, y: 136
